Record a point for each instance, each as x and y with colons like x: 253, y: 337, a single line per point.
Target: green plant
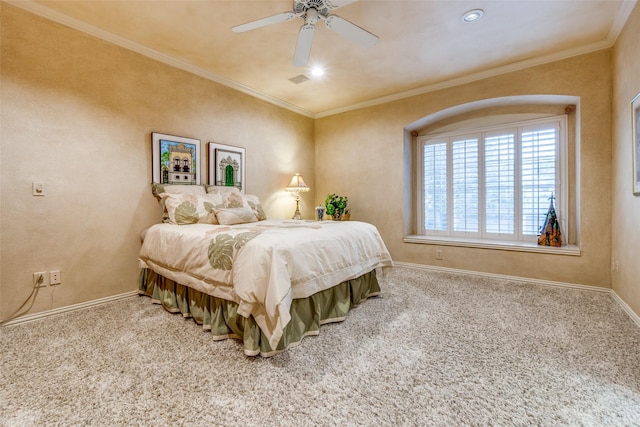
x: 335, y: 204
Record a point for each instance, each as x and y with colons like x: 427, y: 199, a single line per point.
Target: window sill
x: 571, y: 250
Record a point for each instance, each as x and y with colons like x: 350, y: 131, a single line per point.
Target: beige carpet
x: 435, y: 349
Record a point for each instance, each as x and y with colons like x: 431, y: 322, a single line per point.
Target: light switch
x: 38, y: 188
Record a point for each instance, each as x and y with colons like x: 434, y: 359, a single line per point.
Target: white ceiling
x: 423, y: 44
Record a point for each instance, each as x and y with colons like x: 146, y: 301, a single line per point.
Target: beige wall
x: 625, y: 231
x: 77, y: 114
x: 360, y: 154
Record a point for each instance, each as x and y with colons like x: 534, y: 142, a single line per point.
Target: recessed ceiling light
x: 317, y: 71
x: 472, y: 15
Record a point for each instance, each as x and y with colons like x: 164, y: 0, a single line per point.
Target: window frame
x: 561, y: 122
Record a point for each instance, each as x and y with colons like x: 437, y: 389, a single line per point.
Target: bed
x: 266, y: 282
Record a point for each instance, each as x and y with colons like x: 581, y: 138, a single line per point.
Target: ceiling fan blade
x: 269, y: 20
x: 303, y: 46
x: 334, y: 4
x: 350, y: 30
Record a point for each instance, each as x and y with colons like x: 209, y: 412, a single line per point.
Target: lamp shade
x: 297, y: 184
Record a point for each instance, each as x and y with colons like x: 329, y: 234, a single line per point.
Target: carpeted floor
x: 435, y: 349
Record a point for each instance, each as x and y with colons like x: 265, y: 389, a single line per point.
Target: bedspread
x: 263, y: 265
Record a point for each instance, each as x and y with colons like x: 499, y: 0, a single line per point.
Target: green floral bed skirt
x: 221, y: 316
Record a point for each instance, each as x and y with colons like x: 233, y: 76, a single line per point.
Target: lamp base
x: 297, y: 214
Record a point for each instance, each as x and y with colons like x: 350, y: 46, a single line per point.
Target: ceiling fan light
x: 472, y: 15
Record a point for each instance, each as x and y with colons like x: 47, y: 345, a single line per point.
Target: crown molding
x: 38, y: 9
x: 618, y: 24
x: 482, y: 75
x: 76, y: 24
x: 623, y: 15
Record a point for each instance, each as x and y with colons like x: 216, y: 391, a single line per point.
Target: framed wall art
x: 227, y: 165
x: 635, y: 137
x: 176, y: 159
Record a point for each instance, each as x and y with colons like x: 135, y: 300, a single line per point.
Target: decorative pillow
x: 158, y: 189
x: 254, y: 203
x: 232, y: 197
x: 236, y: 200
x: 217, y: 200
x: 188, y: 209
x: 230, y: 216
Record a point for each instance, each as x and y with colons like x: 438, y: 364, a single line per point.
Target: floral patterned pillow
x: 254, y: 203
x: 189, y: 208
x: 158, y: 189
x: 231, y: 196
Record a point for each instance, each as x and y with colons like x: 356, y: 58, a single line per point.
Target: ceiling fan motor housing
x: 322, y: 6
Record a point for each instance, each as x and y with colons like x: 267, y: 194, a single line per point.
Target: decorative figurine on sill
x: 550, y: 231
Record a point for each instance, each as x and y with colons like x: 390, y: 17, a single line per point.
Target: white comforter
x: 262, y: 266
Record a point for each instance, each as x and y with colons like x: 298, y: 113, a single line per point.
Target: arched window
x: 486, y: 172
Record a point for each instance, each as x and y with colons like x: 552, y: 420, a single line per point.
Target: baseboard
x: 634, y: 317
x: 504, y: 276
x: 80, y: 306
x: 626, y: 308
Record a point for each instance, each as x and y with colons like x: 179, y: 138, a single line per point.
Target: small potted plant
x: 336, y: 206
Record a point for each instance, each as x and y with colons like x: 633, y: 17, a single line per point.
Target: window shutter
x: 435, y: 186
x: 465, y: 185
x: 499, y: 161
x: 538, y: 176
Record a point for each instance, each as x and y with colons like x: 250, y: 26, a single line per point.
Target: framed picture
x: 635, y: 136
x: 226, y: 165
x: 176, y: 159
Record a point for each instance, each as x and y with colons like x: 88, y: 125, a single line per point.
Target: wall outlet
x: 439, y: 254
x: 54, y: 277
x: 40, y: 279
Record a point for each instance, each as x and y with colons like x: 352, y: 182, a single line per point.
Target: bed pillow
x: 185, y: 208
x: 232, y: 197
x: 254, y: 203
x: 230, y: 216
x: 157, y: 189
x: 222, y: 189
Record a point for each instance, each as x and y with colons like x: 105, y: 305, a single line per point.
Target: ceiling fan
x: 312, y: 11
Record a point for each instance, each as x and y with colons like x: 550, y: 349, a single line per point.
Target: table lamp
x: 296, y: 186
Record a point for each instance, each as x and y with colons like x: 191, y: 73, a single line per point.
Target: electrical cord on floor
x: 32, y: 296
